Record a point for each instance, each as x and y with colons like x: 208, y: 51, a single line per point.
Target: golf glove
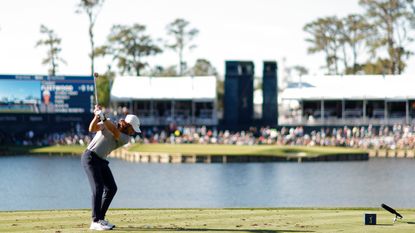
x: 100, y: 115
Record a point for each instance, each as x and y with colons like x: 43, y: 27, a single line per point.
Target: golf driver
x: 392, y: 211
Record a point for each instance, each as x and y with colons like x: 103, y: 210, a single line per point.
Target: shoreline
x: 163, y: 157
x: 206, y: 153
x: 197, y: 153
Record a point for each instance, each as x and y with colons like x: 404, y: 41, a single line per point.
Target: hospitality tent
x: 165, y: 100
x: 361, y: 99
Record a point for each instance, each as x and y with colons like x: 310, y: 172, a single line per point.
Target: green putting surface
x: 198, y: 149
x: 266, y: 150
x: 210, y: 220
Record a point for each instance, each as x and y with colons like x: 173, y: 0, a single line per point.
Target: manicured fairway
x: 209, y: 220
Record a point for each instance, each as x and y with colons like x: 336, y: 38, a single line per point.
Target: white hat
x: 134, y: 122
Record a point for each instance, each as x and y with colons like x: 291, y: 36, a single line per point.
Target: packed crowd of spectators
x: 30, y: 138
x: 395, y: 137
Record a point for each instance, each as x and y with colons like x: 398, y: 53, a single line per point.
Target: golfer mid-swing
x: 108, y: 137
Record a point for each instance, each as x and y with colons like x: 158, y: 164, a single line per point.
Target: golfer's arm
x: 111, y: 127
x: 93, y: 126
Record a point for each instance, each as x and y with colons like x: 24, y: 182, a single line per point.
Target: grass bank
x: 209, y: 220
x: 33, y: 150
x: 197, y: 149
x: 264, y: 150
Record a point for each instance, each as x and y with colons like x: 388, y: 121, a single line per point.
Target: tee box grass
x: 266, y: 220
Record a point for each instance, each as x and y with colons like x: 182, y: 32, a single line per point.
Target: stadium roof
x: 159, y: 88
x: 351, y: 87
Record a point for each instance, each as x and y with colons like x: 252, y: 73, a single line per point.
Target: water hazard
x: 47, y: 182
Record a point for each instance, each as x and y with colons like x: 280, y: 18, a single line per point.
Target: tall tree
x: 91, y: 9
x: 379, y: 66
x: 160, y: 71
x: 203, y: 67
x: 325, y: 37
x: 182, y: 36
x: 129, y: 45
x: 356, y: 33
x: 220, y: 94
x: 52, y: 42
x: 300, y: 70
x: 292, y: 74
x: 392, y: 18
x: 104, y: 87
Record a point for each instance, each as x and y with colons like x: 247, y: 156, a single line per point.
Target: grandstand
x: 160, y: 101
x: 349, y: 100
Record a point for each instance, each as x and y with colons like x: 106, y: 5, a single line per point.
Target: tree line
x: 378, y: 41
x: 128, y: 46
x: 375, y: 42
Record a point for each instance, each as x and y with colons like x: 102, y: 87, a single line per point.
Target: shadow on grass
x: 204, y: 229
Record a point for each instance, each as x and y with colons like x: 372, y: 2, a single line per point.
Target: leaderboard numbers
x: 86, y: 88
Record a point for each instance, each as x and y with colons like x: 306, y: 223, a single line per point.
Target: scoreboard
x: 46, y: 94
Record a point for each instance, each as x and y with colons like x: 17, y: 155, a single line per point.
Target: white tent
x: 354, y: 87
x: 163, y: 100
x: 167, y: 88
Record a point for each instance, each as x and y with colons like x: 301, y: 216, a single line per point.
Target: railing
x: 178, y: 120
x: 180, y: 117
x: 345, y: 121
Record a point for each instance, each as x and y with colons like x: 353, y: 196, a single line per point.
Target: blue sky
x: 254, y: 30
x: 14, y: 89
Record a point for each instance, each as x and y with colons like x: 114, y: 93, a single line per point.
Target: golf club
x: 95, y: 87
x: 392, y: 211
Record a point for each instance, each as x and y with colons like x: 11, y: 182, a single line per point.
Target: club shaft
x: 95, y: 90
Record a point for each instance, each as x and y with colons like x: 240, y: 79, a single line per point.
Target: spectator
x: 395, y: 137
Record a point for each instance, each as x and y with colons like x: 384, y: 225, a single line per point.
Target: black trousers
x: 102, y: 183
